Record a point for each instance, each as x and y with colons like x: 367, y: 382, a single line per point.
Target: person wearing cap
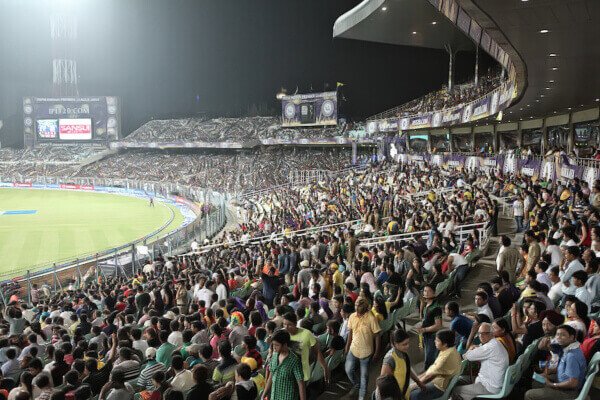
x: 547, y: 355
x: 152, y: 366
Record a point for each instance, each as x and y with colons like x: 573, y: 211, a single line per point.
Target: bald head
x: 485, y: 332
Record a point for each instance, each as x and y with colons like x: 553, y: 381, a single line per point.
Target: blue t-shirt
x: 461, y: 325
x: 572, y: 365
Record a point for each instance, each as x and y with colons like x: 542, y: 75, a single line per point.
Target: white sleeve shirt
x: 494, y: 362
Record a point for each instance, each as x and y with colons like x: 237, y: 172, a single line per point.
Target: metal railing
x: 461, y: 232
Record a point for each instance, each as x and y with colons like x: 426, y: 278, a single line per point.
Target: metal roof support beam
x: 452, y: 55
x: 476, y: 64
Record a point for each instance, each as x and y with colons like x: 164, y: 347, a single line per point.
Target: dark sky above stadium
x: 177, y: 58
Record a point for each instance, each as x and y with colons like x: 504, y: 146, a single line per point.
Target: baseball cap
x: 151, y: 352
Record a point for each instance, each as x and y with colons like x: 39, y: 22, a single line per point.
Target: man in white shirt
x: 572, y: 264
x: 204, y: 293
x: 195, y: 246
x: 556, y: 255
x: 183, y: 379
x: 581, y: 292
x: 175, y: 337
x: 555, y: 292
x: 481, y: 301
x: 518, y: 212
x: 148, y: 268
x: 494, y: 362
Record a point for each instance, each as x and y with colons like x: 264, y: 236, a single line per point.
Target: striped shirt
x: 130, y: 368
x: 145, y: 378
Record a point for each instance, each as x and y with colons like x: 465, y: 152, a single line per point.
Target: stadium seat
x: 529, y: 355
x: 334, y: 360
x: 388, y: 323
x: 589, y: 380
x: 324, y: 340
x: 318, y: 329
x: 453, y: 382
x: 404, y: 311
x: 316, y: 372
x: 511, y: 377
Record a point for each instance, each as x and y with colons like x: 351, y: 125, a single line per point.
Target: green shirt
x: 305, y: 340
x: 164, y: 354
x: 183, y: 351
x: 285, y: 377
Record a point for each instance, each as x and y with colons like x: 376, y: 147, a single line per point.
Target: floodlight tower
x: 63, y: 32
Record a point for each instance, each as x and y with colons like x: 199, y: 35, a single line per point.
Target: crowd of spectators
x: 444, y: 98
x: 44, y: 160
x: 227, y: 130
x: 226, y: 172
x: 385, y: 198
x: 276, y: 318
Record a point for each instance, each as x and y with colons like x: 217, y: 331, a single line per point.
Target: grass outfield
x: 67, y: 224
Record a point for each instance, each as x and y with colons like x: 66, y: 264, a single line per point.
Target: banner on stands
x: 70, y: 186
x: 485, y: 106
x: 531, y: 167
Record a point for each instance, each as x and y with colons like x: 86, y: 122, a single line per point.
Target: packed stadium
x: 345, y: 199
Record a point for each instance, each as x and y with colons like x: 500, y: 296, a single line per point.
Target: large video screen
x: 91, y: 119
x: 75, y: 129
x: 47, y: 128
x: 309, y: 109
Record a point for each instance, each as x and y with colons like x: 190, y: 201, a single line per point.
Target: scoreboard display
x: 309, y: 109
x: 91, y: 119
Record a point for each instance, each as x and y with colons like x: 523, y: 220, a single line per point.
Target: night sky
x: 159, y: 56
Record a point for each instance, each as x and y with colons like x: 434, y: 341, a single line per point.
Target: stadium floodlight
x: 414, y: 33
x: 552, y: 55
x: 544, y: 31
x: 434, y: 23
x: 597, y: 99
x: 554, y: 68
x: 281, y: 94
x: 384, y: 8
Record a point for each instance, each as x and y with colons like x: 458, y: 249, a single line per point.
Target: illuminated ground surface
x: 39, y: 227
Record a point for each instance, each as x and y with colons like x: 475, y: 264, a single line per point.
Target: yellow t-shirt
x: 446, y: 365
x: 338, y: 279
x: 363, y: 330
x: 306, y: 340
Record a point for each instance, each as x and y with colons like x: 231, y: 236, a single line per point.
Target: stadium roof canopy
x: 571, y: 45
x: 553, y: 43
x: 409, y: 23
